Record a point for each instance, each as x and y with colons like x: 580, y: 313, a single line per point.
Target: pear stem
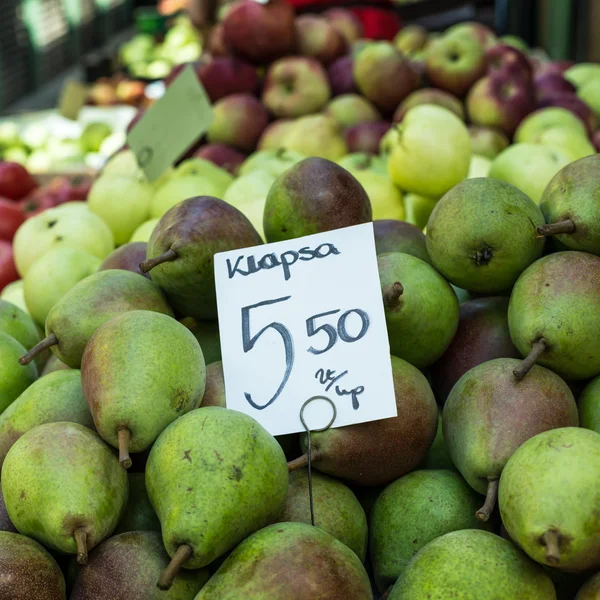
x: 566, y: 226
x: 182, y: 554
x: 537, y: 349
x: 551, y: 539
x: 302, y: 461
x: 485, y: 512
x: 392, y: 295
x: 124, y: 435
x: 150, y: 263
x: 81, y: 540
x: 46, y: 343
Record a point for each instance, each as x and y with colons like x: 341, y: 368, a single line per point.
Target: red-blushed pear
x: 317, y: 38
x: 341, y: 76
x: 411, y: 38
x: 508, y: 61
x: 552, y: 84
x: 227, y: 75
x: 239, y: 121
x: 352, y: 109
x: 455, y: 63
x: 346, y: 23
x: 477, y: 31
x: 487, y: 141
x: 295, y: 86
x: 498, y: 101
x: 127, y: 257
x: 576, y: 106
x: 274, y: 134
x: 260, y: 33
x: 366, y: 137
x: 430, y: 96
x: 222, y: 155
x: 378, y: 65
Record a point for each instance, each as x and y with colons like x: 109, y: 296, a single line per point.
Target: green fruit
x: 399, y: 236
x: 139, y: 514
x: 548, y: 118
x: 421, y: 310
x: 472, y: 565
x: 581, y: 73
x: 18, y: 324
x: 207, y: 334
x: 144, y: 231
x: 14, y: 378
x: 549, y: 498
x: 589, y: 406
x: 287, y: 561
x: 437, y: 456
x: 126, y: 567
x: 14, y: 294
x: 214, y: 476
x: 418, y: 209
x: 556, y: 303
x: 336, y: 509
x: 27, y: 571
x: 413, y: 511
x: 275, y: 162
x: 93, y: 135
x: 591, y: 590
x: 139, y: 372
x: 57, y: 397
x: 70, y: 472
x: 481, y: 235
x: 53, y: 364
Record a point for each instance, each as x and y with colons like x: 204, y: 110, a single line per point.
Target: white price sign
x: 305, y: 318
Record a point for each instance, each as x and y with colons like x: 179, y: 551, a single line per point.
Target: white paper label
x: 305, y: 318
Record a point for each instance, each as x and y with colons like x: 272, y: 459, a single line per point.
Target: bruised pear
x: 489, y: 414
x: 180, y: 252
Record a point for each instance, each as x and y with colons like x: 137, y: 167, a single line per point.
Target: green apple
x: 16, y: 154
x: 547, y: 118
x: 386, y: 198
x: 352, y: 109
x: 571, y: 142
x: 362, y: 160
x: 429, y: 152
x: 529, y: 167
x: 93, y: 135
x: 74, y: 205
x: 9, y: 134
x: 35, y: 135
x: 193, y: 177
x: 272, y: 161
x: 480, y: 166
x: 56, y: 227
x: 248, y: 194
x: 14, y: 294
x: 39, y: 161
x: 418, y: 208
x: 582, y: 73
x: 144, y: 231
x: 52, y: 275
x: 589, y: 92
x: 316, y: 135
x: 123, y: 203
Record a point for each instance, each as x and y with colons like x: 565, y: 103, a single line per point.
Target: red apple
x: 552, y: 84
x: 37, y: 202
x: 341, y: 77
x: 71, y: 189
x: 346, y: 22
x: 508, y: 61
x: 227, y: 75
x: 11, y: 217
x: 575, y: 105
x: 317, y: 38
x: 260, y: 33
x: 430, y: 96
x: 550, y: 66
x: 15, y: 181
x: 365, y: 137
x: 8, y: 271
x: 222, y: 155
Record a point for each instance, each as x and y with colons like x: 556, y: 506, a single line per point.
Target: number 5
x: 328, y: 329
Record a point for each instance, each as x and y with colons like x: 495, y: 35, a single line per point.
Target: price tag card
x: 305, y: 318
x: 171, y: 125
x: 73, y: 97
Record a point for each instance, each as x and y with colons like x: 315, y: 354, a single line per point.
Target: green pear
x: 413, y: 511
x: 139, y: 372
x: 591, y: 590
x: 589, y: 406
x: 70, y: 472
x: 181, y: 250
x: 52, y: 275
x: 421, y: 310
x: 489, y: 414
x: 53, y: 364
x: 27, y: 571
x: 139, y: 514
x: 548, y: 118
x: 14, y: 294
x: 90, y: 303
x: 316, y: 135
x: 207, y: 334
x: 274, y: 162
x: 214, y: 476
x: 144, y: 231
x: 554, y: 315
x: 57, y: 397
x: 193, y: 177
x: 123, y: 203
x: 481, y: 235
x: 14, y: 378
x: 336, y: 509
x: 362, y: 160
x: 471, y: 563
x: 18, y: 324
x: 418, y: 209
x: 126, y: 567
x: 549, y: 498
x: 437, y: 456
x: 289, y: 561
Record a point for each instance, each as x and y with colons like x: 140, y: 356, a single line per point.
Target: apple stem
x: 302, y: 461
x: 150, y: 263
x: 485, y: 512
x: 46, y: 343
x: 566, y: 226
x: 182, y: 554
x: 81, y: 540
x: 392, y: 295
x: 537, y: 349
x: 551, y: 539
x: 124, y: 435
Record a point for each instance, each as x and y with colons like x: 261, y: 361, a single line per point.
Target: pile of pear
x: 124, y: 475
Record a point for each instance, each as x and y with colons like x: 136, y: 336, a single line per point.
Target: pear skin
x: 589, y: 406
x: 591, y: 589
x: 139, y: 514
x: 400, y: 236
x: 14, y: 378
x: 19, y: 325
x: 207, y: 334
